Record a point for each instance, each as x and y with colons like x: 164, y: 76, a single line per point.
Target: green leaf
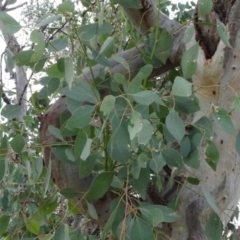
x: 11, y: 111
x: 194, y: 181
x: 140, y: 184
x: 205, y: 7
x: 130, y: 3
x: 153, y: 215
x: 135, y: 85
x: 23, y: 58
x: 213, y: 227
x: 107, y: 105
x: 141, y: 230
x: 58, y: 44
x: 81, y: 117
x: 189, y: 61
x: 53, y: 85
x: 48, y: 20
x: 53, y: 71
x: 210, y: 199
x: 55, y: 132
x: 147, y: 97
x: 37, y: 38
x: 185, y: 146
x: 205, y: 126
x: 172, y: 157
x: 83, y: 92
x: 188, y: 34
x: 9, y: 59
x: 192, y: 159
x: 32, y: 226
x: 237, y: 144
x: 4, y: 220
x: 136, y: 124
x: 66, y: 7
x: 86, y: 150
x: 175, y: 125
x: 92, y: 211
x: 86, y: 167
x: 9, y: 24
x: 157, y: 162
x: 163, y: 46
x: 223, y: 33
x: 62, y: 232
x: 79, y: 144
x: 145, y: 134
x: 4, y: 147
x: 18, y: 143
x: 143, y: 160
x: 181, y: 87
x: 47, y: 177
x: 223, y: 120
x: 69, y: 71
x: 107, y: 47
x: 118, y: 145
x: 100, y: 185
x: 212, y: 155
x: 135, y: 169
x: 2, y: 170
x: 146, y: 70
x: 69, y: 192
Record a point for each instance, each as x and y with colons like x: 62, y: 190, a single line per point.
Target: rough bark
x: 216, y: 83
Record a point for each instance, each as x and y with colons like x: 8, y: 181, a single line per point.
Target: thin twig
x: 16, y: 7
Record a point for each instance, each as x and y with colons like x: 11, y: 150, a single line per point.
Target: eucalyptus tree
x: 143, y: 141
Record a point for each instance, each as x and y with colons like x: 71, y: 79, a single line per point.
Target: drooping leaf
x: 157, y: 162
x: 223, y: 33
x: 212, y: 155
x: 92, y: 211
x: 53, y: 85
x: 188, y: 34
x: 53, y: 71
x: 66, y: 7
x: 62, y: 232
x: 57, y: 44
x: 141, y: 230
x: 4, y: 220
x: 4, y: 147
x: 223, y: 120
x: 9, y: 24
x: 135, y: 124
x: 17, y: 143
x: 69, y: 71
x: 107, y: 105
x: 237, y: 144
x: 175, y: 125
x: 32, y: 226
x: 185, y: 146
x: 82, y: 92
x: 213, y: 227
x: 100, y: 185
x: 107, y: 47
x: 192, y: 159
x: 81, y: 117
x: 204, y: 7
x: 37, y: 38
x: 210, y: 199
x: 86, y: 167
x: 48, y: 20
x: 181, y: 87
x: 87, y: 149
x: 11, y: 111
x: 172, y: 157
x: 189, y: 61
x: 147, y: 97
x: 205, y: 125
x: 69, y: 192
x: 145, y: 134
x: 47, y: 177
x: 2, y: 170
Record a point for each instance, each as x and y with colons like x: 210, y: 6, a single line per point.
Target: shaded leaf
x: 57, y: 45
x: 18, y: 143
x: 69, y: 192
x: 4, y: 220
x: 237, y: 144
x: 223, y: 33
x: 205, y: 7
x: 9, y: 24
x: 2, y: 171
x: 11, y: 111
x: 172, y: 157
x: 145, y: 134
x: 100, y: 185
x: 212, y: 155
x: 69, y: 71
x: 181, y: 87
x: 92, y: 211
x: 147, y: 97
x: 62, y: 232
x: 213, y: 227
x: 66, y: 7
x: 107, y: 105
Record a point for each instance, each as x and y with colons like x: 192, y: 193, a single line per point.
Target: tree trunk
x: 216, y: 83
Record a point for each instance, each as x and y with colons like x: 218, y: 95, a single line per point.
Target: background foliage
x: 126, y: 138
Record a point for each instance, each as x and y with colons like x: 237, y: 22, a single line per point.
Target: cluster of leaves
x: 126, y: 138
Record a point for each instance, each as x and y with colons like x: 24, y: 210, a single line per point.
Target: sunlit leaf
x: 92, y: 211
x: 66, y: 7
x: 181, y: 87
x: 204, y: 7
x: 223, y: 33
x: 9, y: 24
x: 69, y: 71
